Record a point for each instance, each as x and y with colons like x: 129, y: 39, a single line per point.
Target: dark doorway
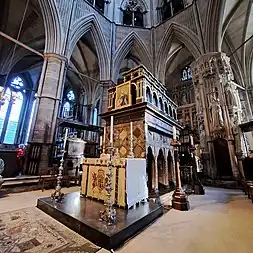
x: 133, y: 93
x: 222, y: 158
x: 149, y: 169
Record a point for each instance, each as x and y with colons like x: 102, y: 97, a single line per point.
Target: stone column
x: 47, y: 105
x: 155, y: 175
x: 166, y: 170
x: 212, y: 77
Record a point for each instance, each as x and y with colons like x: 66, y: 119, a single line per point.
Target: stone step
x: 167, y: 198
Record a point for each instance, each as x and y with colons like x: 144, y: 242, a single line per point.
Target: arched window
x: 66, y: 110
x: 148, y: 95
x: 98, y: 4
x: 15, y: 112
x: 155, y: 101
x: 171, y: 8
x: 160, y: 104
x: 174, y: 114
x: 170, y: 111
x: 69, y: 104
x: 13, y: 118
x: 166, y: 108
x: 133, y: 14
x: 95, y: 114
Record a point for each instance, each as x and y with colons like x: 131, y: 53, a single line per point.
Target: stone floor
x: 220, y: 221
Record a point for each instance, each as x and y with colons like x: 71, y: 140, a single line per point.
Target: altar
x: 128, y: 182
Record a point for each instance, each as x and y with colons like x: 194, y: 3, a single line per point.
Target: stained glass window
x: 95, y: 114
x: 15, y: 112
x: 30, y: 122
x: 66, y: 110
x: 4, y: 108
x: 186, y: 74
x: 17, y: 83
x: 71, y: 95
x: 13, y: 118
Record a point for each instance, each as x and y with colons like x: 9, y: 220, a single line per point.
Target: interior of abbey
x: 135, y: 104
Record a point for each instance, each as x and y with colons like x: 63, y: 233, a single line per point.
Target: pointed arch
x: 213, y: 24
x: 182, y: 34
x: 54, y: 42
x: 132, y: 40
x: 90, y: 24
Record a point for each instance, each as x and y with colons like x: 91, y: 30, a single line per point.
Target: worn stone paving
x: 220, y: 221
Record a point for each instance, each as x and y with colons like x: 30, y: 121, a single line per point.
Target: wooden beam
x: 21, y: 44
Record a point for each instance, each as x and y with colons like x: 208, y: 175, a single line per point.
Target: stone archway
x: 222, y: 158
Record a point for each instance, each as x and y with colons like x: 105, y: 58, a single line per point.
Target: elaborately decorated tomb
x: 139, y: 127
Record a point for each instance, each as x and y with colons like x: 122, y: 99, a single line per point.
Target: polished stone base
x: 82, y: 215
x: 179, y: 201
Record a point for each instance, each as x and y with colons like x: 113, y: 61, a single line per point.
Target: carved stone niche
x: 212, y: 64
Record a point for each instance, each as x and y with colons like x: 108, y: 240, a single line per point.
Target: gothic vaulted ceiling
x: 237, y: 27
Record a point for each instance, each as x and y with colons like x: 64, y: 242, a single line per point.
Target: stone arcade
x: 151, y: 66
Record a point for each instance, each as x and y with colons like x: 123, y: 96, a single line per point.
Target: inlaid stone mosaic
x: 30, y: 230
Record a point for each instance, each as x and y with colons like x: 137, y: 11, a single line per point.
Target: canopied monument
x: 219, y: 113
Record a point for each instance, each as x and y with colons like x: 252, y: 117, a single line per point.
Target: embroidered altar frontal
x: 129, y: 180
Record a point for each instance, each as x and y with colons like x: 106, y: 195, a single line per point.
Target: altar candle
x: 104, y: 136
x: 65, y: 138
x: 101, y: 141
x: 111, y: 131
x: 174, y: 133
x: 131, y: 131
x: 191, y: 138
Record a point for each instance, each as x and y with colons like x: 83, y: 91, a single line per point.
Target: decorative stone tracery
x: 218, y: 110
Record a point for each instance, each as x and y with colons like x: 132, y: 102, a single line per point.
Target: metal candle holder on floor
x: 57, y: 195
x: 109, y: 214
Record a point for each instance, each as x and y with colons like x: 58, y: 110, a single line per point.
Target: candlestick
x: 104, y: 140
x: 191, y: 139
x: 57, y: 195
x: 111, y: 131
x: 100, y: 140
x: 109, y: 214
x: 65, y: 138
x: 131, y: 130
x: 174, y: 133
x: 131, y: 153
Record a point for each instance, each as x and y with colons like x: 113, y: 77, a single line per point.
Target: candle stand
x: 197, y: 186
x: 179, y: 199
x: 109, y: 214
x: 57, y: 195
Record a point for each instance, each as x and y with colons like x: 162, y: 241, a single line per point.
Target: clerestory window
x: 171, y: 8
x: 133, y: 13
x: 98, y: 4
